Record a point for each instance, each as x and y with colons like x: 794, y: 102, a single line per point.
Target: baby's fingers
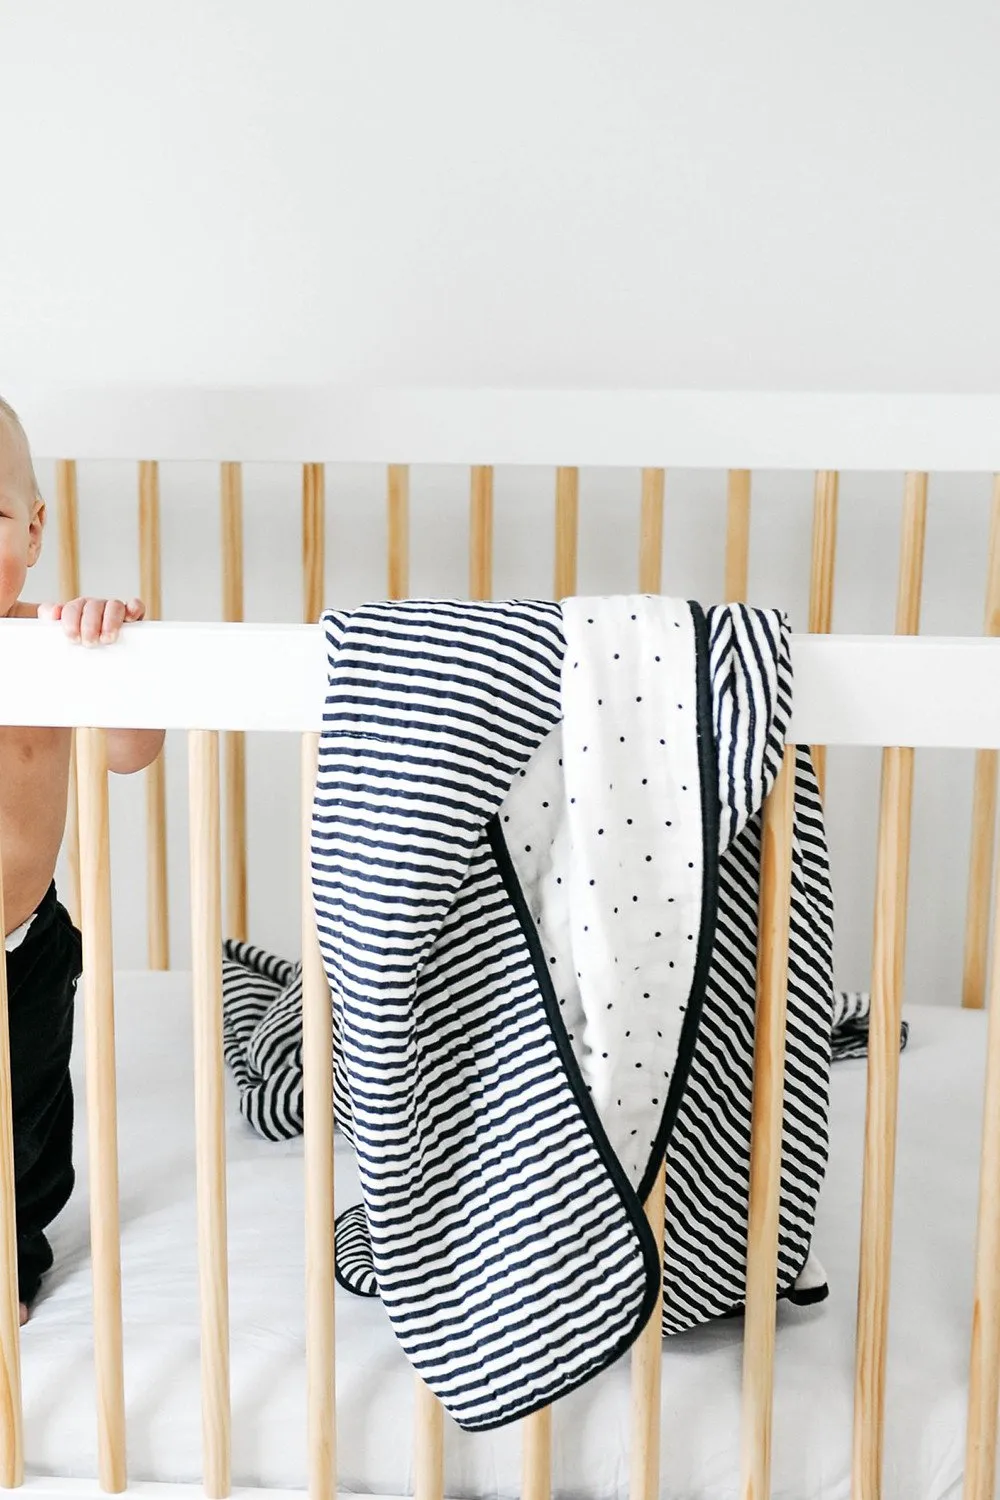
x: 92, y: 626
x: 135, y: 610
x: 93, y: 621
x: 49, y: 612
x: 112, y: 619
x: 71, y: 615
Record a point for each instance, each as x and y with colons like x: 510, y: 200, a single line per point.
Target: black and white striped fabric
x: 512, y: 1258
x: 262, y: 1037
x: 262, y: 1033
x: 444, y: 1005
x: 708, y: 1157
x: 262, y: 1041
x: 507, y: 1243
x: 353, y: 1263
x: 851, y: 1017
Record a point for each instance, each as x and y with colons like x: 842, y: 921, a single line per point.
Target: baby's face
x: 21, y: 515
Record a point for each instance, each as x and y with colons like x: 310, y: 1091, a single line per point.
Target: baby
x: 42, y: 947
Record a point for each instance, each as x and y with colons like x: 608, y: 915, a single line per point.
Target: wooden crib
x: 225, y: 680
x: 461, y: 428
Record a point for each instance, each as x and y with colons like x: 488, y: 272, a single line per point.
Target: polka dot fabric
x: 605, y: 830
x: 536, y: 831
x: 709, y: 1145
x: 634, y: 814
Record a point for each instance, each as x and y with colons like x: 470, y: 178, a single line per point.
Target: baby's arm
x: 96, y: 622
x: 133, y: 749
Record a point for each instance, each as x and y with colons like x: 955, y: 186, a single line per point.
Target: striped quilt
x: 536, y: 848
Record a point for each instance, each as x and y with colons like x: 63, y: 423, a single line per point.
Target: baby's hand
x: 93, y: 621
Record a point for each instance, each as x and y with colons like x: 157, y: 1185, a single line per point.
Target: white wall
x: 634, y: 193
x: 662, y: 192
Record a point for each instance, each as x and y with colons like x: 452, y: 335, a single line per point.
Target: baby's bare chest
x: 34, y: 767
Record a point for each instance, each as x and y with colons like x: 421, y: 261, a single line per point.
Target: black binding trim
x: 629, y: 1201
x: 709, y: 776
x: 808, y: 1298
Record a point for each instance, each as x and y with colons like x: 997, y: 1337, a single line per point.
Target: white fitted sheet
x: 940, y: 1114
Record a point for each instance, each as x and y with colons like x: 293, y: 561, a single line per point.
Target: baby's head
x: 22, y: 511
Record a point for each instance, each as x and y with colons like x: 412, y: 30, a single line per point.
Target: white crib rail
x: 849, y: 690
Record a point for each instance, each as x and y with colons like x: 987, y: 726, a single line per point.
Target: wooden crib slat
x: 157, y: 891
x: 237, y: 920
x: 398, y: 505
x: 428, y: 1444
x: 317, y: 1104
x: 237, y: 897
x: 313, y: 541
x: 157, y: 887
x: 651, y: 531
x: 68, y: 510
x: 765, y: 1138
x: 150, y: 572
x: 824, y: 557
x: 231, y: 495
x: 984, y: 1363
x: 102, y: 1110
x: 824, y: 551
x: 68, y: 513
x: 737, y: 535
x: 889, y: 948
x: 911, y: 563
x: 567, y: 527
x: 536, y: 1429
x: 11, y: 1409
x: 536, y: 1455
x: 984, y: 807
x: 977, y: 924
x: 206, y: 956
x: 888, y: 955
x: 481, y: 533
x: 647, y: 1362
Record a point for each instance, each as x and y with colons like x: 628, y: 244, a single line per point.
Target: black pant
x: 41, y: 984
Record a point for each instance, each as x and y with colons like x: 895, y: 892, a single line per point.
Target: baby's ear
x: 35, y: 528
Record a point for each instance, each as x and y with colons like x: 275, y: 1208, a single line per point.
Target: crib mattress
x: 940, y: 1111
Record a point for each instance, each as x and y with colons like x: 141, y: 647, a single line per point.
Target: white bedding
x: 936, y: 1193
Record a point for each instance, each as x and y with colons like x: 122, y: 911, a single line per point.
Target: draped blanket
x: 536, y: 851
